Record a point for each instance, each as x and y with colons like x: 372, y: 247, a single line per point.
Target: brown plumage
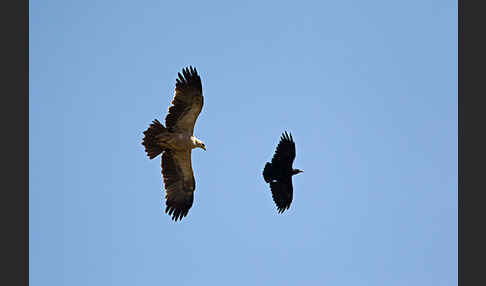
x: 279, y: 172
x: 175, y: 141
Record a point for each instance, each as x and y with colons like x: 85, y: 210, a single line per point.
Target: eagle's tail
x: 152, y: 148
x: 268, y: 172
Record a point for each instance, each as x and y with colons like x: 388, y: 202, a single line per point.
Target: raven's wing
x: 285, y: 153
x: 179, y: 183
x: 187, y: 102
x: 282, y: 192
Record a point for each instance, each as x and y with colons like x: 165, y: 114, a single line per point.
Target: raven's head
x: 296, y: 171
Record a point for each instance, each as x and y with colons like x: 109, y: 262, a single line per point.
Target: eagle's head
x: 199, y: 144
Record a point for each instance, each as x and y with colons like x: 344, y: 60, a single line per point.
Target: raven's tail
x: 268, y: 172
x: 152, y: 147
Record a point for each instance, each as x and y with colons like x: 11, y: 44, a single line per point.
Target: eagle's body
x: 279, y: 172
x: 175, y: 141
x: 180, y: 141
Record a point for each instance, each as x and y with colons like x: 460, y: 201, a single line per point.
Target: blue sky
x: 368, y: 90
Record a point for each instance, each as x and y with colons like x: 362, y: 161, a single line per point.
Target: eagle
x: 279, y: 172
x: 175, y: 142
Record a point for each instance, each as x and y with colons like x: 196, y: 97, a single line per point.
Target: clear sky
x: 367, y: 88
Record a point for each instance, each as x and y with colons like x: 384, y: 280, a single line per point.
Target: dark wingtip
x: 175, y: 213
x: 287, y: 136
x: 282, y: 209
x: 189, y: 78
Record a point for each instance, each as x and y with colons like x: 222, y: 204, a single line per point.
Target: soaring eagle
x: 279, y: 172
x: 175, y: 141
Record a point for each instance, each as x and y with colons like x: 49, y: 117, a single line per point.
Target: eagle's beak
x: 204, y: 148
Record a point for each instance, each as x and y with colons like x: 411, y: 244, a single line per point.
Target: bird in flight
x: 175, y: 142
x: 279, y: 172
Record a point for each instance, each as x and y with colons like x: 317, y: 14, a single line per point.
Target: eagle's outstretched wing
x: 187, y: 102
x: 179, y: 183
x: 282, y: 192
x: 285, y: 153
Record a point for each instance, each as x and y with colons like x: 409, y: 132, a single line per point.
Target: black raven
x: 279, y: 173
